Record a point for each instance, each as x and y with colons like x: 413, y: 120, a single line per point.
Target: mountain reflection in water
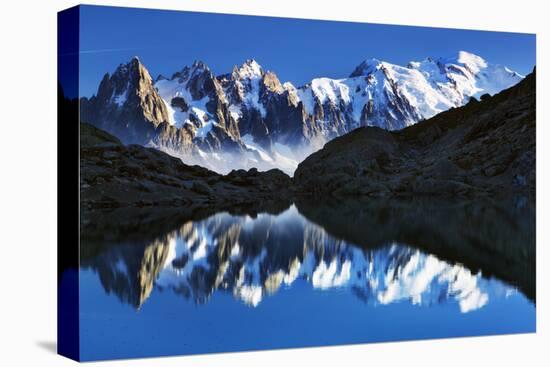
x: 164, y: 281
x: 379, y: 260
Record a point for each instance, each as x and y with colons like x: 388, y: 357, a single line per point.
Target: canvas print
x: 248, y: 183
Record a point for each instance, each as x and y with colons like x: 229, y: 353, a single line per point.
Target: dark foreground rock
x: 484, y: 147
x: 117, y: 175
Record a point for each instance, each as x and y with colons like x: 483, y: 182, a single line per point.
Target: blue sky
x: 296, y: 50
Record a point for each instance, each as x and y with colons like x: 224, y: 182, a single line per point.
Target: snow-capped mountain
x: 249, y: 105
x: 392, y: 97
x: 248, y: 118
x: 253, y: 258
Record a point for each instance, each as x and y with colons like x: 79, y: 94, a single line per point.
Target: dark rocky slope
x: 116, y: 175
x: 484, y: 147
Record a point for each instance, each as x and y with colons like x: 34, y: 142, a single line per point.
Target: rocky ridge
x: 117, y: 175
x: 485, y: 147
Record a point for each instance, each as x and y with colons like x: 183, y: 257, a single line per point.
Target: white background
x: 28, y: 182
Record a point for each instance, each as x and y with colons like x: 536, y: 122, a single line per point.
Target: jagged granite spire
x: 127, y: 104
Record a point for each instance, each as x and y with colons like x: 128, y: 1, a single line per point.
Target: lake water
x: 307, y: 276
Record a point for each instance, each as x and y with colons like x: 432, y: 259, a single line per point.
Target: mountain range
x: 249, y: 118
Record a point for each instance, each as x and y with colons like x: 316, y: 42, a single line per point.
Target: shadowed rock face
x: 126, y: 105
x: 482, y: 148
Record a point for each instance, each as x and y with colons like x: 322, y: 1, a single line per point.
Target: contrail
x: 100, y: 51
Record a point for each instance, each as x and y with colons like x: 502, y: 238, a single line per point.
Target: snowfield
x: 429, y: 87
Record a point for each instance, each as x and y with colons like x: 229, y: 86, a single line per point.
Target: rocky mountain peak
x: 366, y: 67
x: 196, y: 69
x: 129, y: 83
x: 250, y: 69
x: 181, y: 75
x: 127, y: 104
x: 202, y: 82
x: 132, y: 68
x: 135, y: 60
x: 199, y: 66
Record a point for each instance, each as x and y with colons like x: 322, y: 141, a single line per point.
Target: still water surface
x: 244, y: 282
